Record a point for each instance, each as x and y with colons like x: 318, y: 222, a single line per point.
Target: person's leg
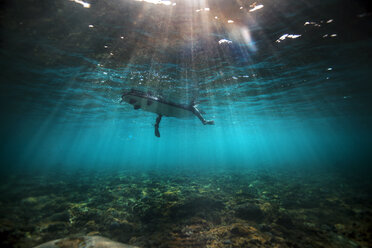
x: 158, y: 119
x: 198, y: 114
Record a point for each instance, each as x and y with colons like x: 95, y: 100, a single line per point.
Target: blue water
x: 131, y: 143
x: 303, y: 101
x: 287, y: 83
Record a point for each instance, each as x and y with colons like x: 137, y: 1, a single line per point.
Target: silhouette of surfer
x: 156, y: 104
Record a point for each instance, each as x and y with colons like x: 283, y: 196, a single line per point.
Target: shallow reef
x: 223, y: 208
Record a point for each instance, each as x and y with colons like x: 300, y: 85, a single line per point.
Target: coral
x: 222, y: 209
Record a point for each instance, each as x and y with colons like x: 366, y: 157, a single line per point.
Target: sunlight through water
x: 185, y: 123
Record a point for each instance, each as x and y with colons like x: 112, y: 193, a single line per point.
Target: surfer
x: 162, y: 107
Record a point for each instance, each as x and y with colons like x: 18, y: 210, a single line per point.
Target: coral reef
x: 251, y: 208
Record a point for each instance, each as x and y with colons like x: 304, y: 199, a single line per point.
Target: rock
x: 63, y: 216
x: 249, y: 212
x: 340, y: 228
x: 114, y: 225
x: 93, y: 233
x: 285, y: 220
x: 264, y: 228
x: 52, y: 226
x: 84, y: 242
x: 247, y: 192
x: 310, y: 225
x: 227, y: 242
x: 203, y: 207
x: 198, y: 220
x: 326, y: 228
x: 29, y: 201
x: 241, y: 230
x: 90, y: 223
x: 121, y: 225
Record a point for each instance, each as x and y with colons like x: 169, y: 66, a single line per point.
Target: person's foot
x: 157, y: 133
x: 208, y: 122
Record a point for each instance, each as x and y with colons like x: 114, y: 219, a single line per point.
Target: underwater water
x: 286, y: 164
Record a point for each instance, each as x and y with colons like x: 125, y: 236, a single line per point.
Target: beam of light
x: 247, y: 38
x: 242, y: 35
x: 84, y: 4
